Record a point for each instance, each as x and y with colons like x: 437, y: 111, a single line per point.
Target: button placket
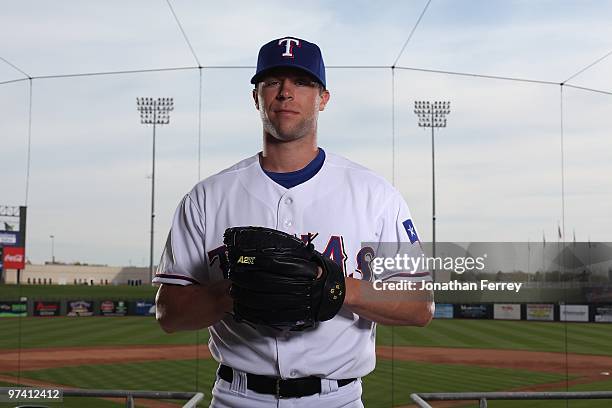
x: 286, y: 213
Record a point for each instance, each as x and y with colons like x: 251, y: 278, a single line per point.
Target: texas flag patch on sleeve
x: 410, y: 230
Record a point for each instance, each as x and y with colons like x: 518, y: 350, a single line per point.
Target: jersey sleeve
x: 399, y: 237
x: 183, y: 261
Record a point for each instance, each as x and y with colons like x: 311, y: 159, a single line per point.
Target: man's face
x: 289, y: 102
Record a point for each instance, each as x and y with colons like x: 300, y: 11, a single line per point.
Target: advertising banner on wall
x: 145, y: 308
x: 46, y: 308
x: 574, y: 313
x: 13, y: 309
x: 507, y: 311
x: 538, y: 311
x: 13, y: 258
x: 79, y: 308
x: 444, y: 311
x: 473, y: 311
x: 603, y: 313
x: 113, y: 308
x: 8, y: 238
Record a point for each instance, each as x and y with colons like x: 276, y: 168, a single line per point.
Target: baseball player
x: 331, y: 204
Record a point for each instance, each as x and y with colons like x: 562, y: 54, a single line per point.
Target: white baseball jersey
x: 345, y: 204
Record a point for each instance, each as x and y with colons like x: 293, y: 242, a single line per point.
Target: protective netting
x: 526, y: 155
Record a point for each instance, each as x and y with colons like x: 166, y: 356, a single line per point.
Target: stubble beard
x: 288, y: 133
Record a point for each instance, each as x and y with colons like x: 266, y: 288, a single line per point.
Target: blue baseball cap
x: 290, y: 52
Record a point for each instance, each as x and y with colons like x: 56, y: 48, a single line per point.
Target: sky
x: 498, y: 162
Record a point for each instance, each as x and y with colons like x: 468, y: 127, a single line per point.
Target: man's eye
x: 303, y: 82
x: 271, y: 82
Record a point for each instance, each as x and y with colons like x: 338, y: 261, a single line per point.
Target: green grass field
x: 584, y: 338
x: 189, y: 375
x: 391, y: 381
x: 37, y: 332
x: 407, y: 377
x: 596, y: 386
x: 57, y: 292
x: 381, y: 389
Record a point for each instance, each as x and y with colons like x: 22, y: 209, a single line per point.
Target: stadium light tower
x: 432, y: 115
x: 154, y: 111
x: 52, y: 248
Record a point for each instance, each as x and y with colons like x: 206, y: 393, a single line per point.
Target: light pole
x: 52, y: 248
x: 432, y: 115
x: 154, y: 111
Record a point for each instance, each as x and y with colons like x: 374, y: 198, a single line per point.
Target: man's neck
x: 284, y: 157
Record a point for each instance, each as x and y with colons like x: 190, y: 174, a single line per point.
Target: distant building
x: 60, y: 274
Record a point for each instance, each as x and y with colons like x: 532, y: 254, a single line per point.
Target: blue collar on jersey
x: 293, y: 178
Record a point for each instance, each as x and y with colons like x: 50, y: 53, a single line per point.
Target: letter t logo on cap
x: 288, y: 46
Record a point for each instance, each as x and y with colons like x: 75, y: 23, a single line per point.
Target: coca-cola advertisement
x: 14, y: 258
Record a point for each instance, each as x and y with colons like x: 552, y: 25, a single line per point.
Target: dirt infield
x: 577, y: 364
x: 36, y: 359
x: 587, y: 368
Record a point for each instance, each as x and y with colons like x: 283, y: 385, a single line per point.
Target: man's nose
x: 286, y: 89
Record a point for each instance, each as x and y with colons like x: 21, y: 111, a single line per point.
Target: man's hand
x: 192, y: 307
x: 407, y: 308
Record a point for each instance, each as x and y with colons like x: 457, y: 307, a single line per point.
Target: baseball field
x: 448, y: 355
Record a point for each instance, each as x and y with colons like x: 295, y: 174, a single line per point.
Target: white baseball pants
x: 236, y: 395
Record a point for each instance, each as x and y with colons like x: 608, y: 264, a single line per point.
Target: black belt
x: 290, y: 388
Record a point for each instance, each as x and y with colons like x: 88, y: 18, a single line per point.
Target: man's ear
x: 255, y: 99
x: 324, y: 99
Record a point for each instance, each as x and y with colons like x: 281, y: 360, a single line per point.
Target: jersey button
x: 288, y: 200
x: 288, y: 223
x: 293, y: 373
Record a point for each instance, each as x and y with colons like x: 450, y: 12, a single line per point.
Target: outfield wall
x: 77, y: 308
x: 552, y: 312
x: 543, y: 312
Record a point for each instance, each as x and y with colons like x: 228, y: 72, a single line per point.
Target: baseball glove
x: 275, y: 279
